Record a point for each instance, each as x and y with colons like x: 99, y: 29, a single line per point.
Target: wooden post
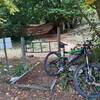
x: 49, y: 47
x: 58, y: 37
x: 6, y: 57
x: 23, y: 53
x: 63, y: 26
x: 68, y: 25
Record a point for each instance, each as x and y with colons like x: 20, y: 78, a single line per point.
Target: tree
x: 34, y: 11
x: 95, y: 3
x: 90, y: 2
x: 6, y: 5
x: 92, y: 24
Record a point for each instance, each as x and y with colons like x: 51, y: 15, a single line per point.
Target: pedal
x: 61, y: 69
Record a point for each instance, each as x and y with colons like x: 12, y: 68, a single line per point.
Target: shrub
x: 19, y: 69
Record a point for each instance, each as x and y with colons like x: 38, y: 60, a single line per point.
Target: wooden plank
x: 33, y: 86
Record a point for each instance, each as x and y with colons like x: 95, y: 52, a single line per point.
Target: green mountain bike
x: 86, y: 77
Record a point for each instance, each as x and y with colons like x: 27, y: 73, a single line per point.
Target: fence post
x: 58, y: 37
x: 23, y: 53
x: 6, y: 57
x: 63, y: 26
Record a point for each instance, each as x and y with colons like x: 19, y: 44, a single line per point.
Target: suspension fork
x: 61, y: 59
x: 87, y: 63
x: 62, y: 54
x: 88, y: 71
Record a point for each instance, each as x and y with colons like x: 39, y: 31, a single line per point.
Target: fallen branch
x: 18, y: 78
x: 38, y: 87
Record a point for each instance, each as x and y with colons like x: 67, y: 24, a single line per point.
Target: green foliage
x: 6, y: 6
x: 96, y: 51
x: 2, y: 21
x: 10, y: 6
x: 34, y: 11
x: 63, y: 10
x: 1, y: 67
x: 19, y: 70
x: 66, y: 79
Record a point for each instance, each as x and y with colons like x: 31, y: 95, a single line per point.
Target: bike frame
x: 82, y: 51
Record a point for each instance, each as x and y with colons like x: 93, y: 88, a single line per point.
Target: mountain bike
x: 86, y: 77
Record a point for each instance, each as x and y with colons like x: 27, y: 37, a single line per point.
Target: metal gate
x: 40, y: 46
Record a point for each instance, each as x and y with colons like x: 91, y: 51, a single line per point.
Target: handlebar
x: 62, y: 43
x: 87, y: 44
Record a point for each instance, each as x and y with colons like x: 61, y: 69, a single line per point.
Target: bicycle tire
x: 77, y: 82
x: 47, y: 65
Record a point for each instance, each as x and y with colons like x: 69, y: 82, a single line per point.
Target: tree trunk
x: 58, y: 37
x: 63, y: 26
x: 68, y: 26
x: 97, y: 4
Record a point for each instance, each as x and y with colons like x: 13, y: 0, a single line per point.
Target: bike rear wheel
x: 51, y: 64
x: 87, y: 89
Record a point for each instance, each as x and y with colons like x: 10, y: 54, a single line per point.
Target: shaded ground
x: 39, y: 77
x: 10, y: 93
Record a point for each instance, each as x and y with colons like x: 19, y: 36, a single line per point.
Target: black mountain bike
x: 86, y: 77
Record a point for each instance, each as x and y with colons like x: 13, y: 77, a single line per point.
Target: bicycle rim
x: 51, y: 64
x: 84, y: 88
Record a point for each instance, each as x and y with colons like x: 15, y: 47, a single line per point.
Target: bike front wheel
x: 83, y: 86
x: 51, y: 64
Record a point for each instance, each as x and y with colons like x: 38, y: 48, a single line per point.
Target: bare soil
x: 38, y: 77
